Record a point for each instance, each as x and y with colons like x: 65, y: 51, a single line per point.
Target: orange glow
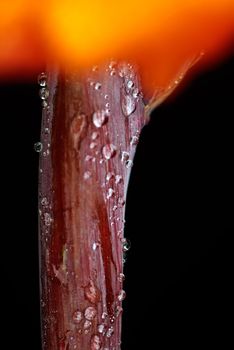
x: 160, y: 36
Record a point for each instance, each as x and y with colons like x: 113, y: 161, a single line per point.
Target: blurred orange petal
x: 160, y: 36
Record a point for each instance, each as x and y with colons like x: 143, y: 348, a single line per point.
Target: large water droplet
x: 77, y: 316
x: 90, y: 313
x: 122, y: 295
x: 42, y: 79
x: 99, y: 118
x: 38, y: 147
x: 128, y: 104
x: 95, y: 343
x: 109, y: 332
x: 109, y: 151
x: 44, y: 93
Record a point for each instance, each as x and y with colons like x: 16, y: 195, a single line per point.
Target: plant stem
x: 90, y: 127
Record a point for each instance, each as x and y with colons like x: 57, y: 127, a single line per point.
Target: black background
x: 179, y: 218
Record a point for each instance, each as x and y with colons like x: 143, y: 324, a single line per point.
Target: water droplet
x: 135, y: 93
x: 87, y: 175
x: 115, y: 207
x: 88, y: 158
x: 109, y: 176
x: 107, y: 105
x: 38, y: 147
x: 44, y: 201
x: 121, y: 277
x: 108, y: 112
x: 110, y: 193
x: 129, y: 163
x: 118, y: 311
x: 109, y: 332
x: 95, y: 68
x: 112, y: 319
x: 47, y: 130
x: 109, y: 151
x: 130, y: 84
x: 44, y: 93
x: 95, y: 343
x: 124, y: 156
x: 94, y: 135
x: 126, y: 244
x: 99, y: 118
x: 90, y: 313
x: 92, y: 293
x: 106, y: 97
x: 112, y: 72
x: 118, y: 179
x: 122, y: 295
x: 87, y: 324
x: 42, y: 79
x: 124, y: 70
x: 95, y: 246
x: 104, y: 315
x: 101, y: 328
x: 46, y: 153
x: 77, y: 316
x: 128, y: 104
x: 121, y: 201
x: 44, y: 104
x: 134, y: 140
x: 112, y: 64
x: 98, y: 86
x: 47, y: 218
x: 92, y: 145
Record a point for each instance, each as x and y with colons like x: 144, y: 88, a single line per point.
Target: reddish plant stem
x: 90, y: 129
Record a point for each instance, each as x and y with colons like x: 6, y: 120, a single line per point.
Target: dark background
x: 180, y: 218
